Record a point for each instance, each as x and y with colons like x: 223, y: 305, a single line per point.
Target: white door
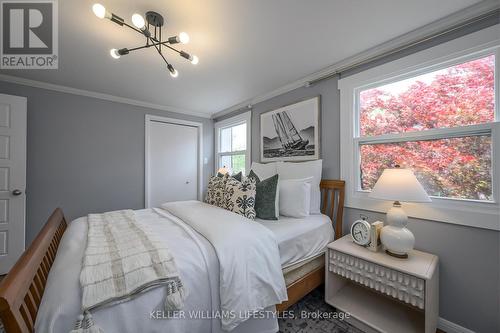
x: 172, y: 162
x: 12, y: 179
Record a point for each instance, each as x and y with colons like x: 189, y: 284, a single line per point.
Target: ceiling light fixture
x: 151, y: 28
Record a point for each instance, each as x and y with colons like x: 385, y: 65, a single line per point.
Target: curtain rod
x: 480, y: 18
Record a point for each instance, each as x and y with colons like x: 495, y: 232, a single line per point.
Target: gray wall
x: 86, y: 155
x: 469, y: 257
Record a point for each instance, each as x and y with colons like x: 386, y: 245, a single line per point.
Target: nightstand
x: 382, y: 293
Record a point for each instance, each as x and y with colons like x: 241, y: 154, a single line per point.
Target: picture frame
x: 291, y: 132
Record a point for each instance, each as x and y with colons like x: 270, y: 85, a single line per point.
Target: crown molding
x: 445, y: 23
x: 97, y: 95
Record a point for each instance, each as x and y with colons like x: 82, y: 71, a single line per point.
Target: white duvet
x: 198, y: 265
x: 250, y: 277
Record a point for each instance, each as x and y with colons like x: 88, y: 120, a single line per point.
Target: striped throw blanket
x: 123, y: 259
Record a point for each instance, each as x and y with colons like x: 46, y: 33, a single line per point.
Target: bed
x: 21, y: 292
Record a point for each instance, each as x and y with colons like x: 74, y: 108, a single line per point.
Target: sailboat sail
x: 287, y: 133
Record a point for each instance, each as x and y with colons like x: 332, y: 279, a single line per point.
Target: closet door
x: 172, y: 162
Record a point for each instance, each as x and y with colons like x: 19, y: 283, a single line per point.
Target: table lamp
x: 398, y: 184
x: 223, y: 170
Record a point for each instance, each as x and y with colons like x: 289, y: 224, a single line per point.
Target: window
x: 451, y: 164
x: 233, y: 143
x: 435, y: 112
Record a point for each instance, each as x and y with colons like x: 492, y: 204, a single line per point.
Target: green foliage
x: 238, y: 164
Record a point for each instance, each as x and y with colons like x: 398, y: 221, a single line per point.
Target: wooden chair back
x: 332, y: 202
x: 22, y: 289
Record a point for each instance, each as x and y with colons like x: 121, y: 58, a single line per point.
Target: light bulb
x: 99, y: 10
x: 184, y: 38
x: 115, y: 54
x: 195, y: 60
x: 138, y: 21
x: 172, y: 70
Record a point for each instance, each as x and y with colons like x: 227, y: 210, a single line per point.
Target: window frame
x: 474, y: 213
x: 244, y: 118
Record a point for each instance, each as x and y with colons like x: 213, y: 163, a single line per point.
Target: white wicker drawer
x: 401, y: 286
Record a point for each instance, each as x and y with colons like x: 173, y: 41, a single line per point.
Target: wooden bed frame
x: 22, y: 289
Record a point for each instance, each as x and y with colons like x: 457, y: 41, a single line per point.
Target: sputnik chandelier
x: 151, y: 30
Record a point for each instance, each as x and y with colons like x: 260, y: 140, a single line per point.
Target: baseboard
x: 450, y: 327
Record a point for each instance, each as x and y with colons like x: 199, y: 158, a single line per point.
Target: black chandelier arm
x: 170, y: 47
x: 164, y: 43
x: 159, y: 51
x: 140, y: 47
x: 133, y: 28
x: 154, y: 43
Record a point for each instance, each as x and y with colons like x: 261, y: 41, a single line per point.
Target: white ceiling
x: 246, y: 48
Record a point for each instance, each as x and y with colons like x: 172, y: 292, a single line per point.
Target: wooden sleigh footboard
x: 332, y: 204
x: 22, y: 289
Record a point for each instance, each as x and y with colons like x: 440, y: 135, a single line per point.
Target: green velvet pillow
x: 266, y: 198
x: 238, y: 176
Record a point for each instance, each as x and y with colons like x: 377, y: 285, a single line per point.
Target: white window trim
x: 464, y: 212
x: 244, y: 118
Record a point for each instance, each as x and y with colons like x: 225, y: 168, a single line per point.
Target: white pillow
x: 295, y: 197
x: 264, y: 171
x: 300, y: 170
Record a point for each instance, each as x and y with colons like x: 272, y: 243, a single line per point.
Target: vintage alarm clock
x: 360, y: 232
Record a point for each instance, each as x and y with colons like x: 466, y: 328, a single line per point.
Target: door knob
x: 17, y: 192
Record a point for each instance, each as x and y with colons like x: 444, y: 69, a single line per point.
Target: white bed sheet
x: 300, y: 239
x: 61, y: 302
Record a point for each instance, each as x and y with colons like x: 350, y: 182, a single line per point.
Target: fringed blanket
x: 123, y: 259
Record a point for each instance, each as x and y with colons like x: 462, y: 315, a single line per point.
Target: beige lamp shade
x: 399, y: 185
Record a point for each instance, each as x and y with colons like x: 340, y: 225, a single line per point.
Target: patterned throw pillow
x: 215, y: 190
x: 239, y: 197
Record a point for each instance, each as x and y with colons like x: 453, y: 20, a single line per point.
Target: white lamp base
x: 395, y: 237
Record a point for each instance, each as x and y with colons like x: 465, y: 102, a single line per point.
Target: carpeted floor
x: 314, y: 306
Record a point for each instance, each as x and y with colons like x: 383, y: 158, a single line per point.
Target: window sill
x: 485, y: 215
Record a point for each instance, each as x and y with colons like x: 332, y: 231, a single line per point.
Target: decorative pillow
x: 266, y: 197
x: 215, y: 190
x: 238, y: 176
x: 298, y: 170
x: 295, y: 197
x: 239, y: 197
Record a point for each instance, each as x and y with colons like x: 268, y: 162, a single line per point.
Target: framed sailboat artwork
x: 291, y: 133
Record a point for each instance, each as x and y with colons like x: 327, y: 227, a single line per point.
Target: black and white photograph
x: 291, y: 133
